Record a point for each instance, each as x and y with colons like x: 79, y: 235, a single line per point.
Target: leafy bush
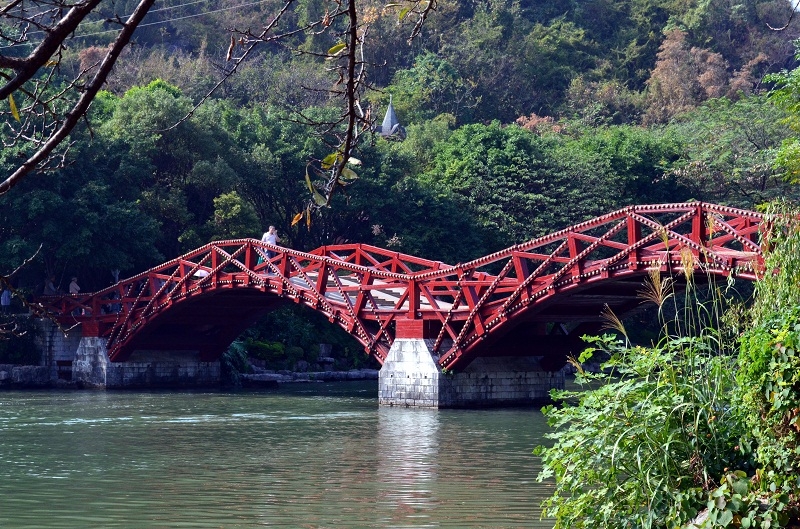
x: 769, y: 380
x: 646, y: 447
x: 267, y: 351
x: 679, y: 434
x: 232, y: 364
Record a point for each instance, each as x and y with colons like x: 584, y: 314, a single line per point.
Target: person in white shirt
x: 271, y: 237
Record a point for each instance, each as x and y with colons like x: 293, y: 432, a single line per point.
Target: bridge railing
x: 377, y: 294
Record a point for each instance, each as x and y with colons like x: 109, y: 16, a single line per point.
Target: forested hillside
x: 522, y: 117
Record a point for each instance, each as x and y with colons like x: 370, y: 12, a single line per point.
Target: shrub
x: 647, y: 446
x: 769, y: 381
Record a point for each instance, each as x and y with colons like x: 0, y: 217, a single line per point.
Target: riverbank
x: 266, y: 378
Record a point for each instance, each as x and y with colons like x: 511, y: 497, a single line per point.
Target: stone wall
x: 72, y: 360
x: 25, y: 377
x: 162, y: 374
x: 499, y: 381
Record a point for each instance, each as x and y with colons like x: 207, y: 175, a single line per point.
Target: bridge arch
x: 206, y: 297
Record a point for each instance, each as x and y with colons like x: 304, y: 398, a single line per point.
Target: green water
x: 306, y: 456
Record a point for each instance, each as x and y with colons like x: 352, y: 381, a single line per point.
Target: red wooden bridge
x: 507, y: 301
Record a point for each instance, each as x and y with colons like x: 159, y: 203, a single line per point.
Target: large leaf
x: 308, y: 182
x: 330, y: 160
x: 348, y: 174
x: 13, y: 105
x: 319, y: 199
x: 337, y: 48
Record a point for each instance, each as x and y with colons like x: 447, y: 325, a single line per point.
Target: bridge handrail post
x: 699, y: 228
x: 634, y: 235
x: 413, y: 299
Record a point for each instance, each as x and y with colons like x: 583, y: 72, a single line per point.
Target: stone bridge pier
x: 411, y: 377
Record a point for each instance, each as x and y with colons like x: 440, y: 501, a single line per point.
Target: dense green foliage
x: 686, y: 433
x: 770, y: 357
x: 653, y: 431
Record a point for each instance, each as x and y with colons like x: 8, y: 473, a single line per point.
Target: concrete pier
x: 411, y: 377
x: 90, y: 365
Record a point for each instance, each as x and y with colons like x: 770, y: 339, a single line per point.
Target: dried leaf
x: 297, y: 218
x: 229, y: 55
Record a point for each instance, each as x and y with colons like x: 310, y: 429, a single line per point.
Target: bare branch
x: 791, y: 17
x: 26, y: 68
x: 86, y: 98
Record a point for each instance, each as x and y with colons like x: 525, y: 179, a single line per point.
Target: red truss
x: 205, y: 298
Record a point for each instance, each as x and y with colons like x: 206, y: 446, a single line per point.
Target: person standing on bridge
x: 75, y: 289
x: 50, y: 286
x: 271, y: 237
x: 5, y: 300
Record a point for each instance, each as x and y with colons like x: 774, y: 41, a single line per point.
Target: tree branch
x: 83, y: 103
x: 26, y: 68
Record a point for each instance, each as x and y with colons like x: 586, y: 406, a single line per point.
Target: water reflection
x: 407, y: 447
x: 316, y: 457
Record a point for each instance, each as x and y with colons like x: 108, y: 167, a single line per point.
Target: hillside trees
x: 518, y: 185
x: 729, y: 153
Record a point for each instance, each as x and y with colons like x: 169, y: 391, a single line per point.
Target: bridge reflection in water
x: 425, y: 321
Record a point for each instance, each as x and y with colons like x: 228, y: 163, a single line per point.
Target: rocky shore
x: 266, y: 378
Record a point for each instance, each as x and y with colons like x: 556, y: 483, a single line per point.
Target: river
x: 305, y: 456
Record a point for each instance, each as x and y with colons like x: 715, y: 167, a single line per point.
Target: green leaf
x: 13, y: 105
x: 319, y: 199
x: 403, y: 14
x: 725, y: 518
x: 330, y: 160
x: 348, y: 174
x: 741, y: 486
x: 337, y: 48
x: 586, y: 355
